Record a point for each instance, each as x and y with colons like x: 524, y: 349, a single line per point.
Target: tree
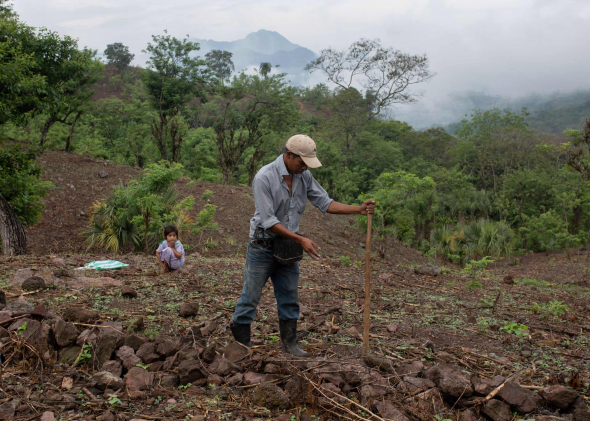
x: 118, y: 55
x: 243, y: 113
x: 20, y: 83
x: 220, y: 64
x: 21, y: 190
x: 172, y: 79
x: 578, y: 147
x: 384, y: 73
x: 265, y: 68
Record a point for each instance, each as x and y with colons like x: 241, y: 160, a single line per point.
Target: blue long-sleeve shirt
x: 274, y: 202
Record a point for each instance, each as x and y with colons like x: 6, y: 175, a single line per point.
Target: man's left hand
x: 368, y: 207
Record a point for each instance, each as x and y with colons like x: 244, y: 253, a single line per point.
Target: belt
x: 266, y: 241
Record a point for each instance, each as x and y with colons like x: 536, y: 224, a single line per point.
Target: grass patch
x: 533, y: 282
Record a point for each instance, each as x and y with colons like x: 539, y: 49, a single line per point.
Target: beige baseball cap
x: 304, y: 146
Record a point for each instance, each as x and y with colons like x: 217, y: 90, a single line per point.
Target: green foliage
x: 204, y: 222
x: 136, y: 213
x: 345, y: 260
x: 85, y: 353
x: 515, y: 328
x: 113, y: 400
x: 391, y: 192
x: 553, y: 308
x: 21, y: 184
x: 472, y: 286
x: 207, y: 195
x: 118, y: 55
x: 220, y: 64
x: 22, y: 329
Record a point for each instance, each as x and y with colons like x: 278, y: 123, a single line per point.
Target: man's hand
x: 310, y: 247
x: 368, y: 207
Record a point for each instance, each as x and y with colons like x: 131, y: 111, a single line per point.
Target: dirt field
x: 535, y: 323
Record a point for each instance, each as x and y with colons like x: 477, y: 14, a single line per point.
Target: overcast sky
x: 506, y: 47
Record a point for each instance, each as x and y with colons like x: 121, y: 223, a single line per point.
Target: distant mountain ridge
x: 263, y: 46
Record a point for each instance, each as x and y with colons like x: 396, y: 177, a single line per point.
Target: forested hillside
x: 496, y: 187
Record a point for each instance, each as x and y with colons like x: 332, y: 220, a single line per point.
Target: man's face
x: 294, y: 163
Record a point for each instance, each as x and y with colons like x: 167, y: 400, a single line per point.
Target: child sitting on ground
x: 170, y: 251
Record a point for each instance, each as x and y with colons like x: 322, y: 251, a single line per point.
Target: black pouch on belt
x: 286, y: 251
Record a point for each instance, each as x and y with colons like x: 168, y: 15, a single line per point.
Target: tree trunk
x: 50, y: 122
x: 72, y: 128
x: 159, y: 133
x: 176, y: 141
x: 254, y: 165
x: 14, y: 239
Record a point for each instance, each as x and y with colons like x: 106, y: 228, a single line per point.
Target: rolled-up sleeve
x: 264, y: 203
x: 317, y: 195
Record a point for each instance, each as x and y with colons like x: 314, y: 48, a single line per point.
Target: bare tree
x: 14, y: 239
x: 384, y: 73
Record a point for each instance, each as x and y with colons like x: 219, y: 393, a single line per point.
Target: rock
x: 155, y: 366
x: 392, y: 328
x: 189, y: 371
x: 451, y: 382
x: 83, y: 282
x: 128, y: 357
x: 114, y: 367
x: 110, y: 328
x: 80, y: 315
x: 384, y: 364
x: 67, y: 383
x: 107, y: 416
x: 251, y: 378
x: 305, y: 311
x: 429, y: 270
x: 209, y: 328
x: 137, y: 325
x: 169, y: 381
x: 214, y: 379
x: 103, y: 174
x: 298, y: 389
x: 469, y: 416
x: 497, y: 410
x: 271, y: 368
x: 390, y: 412
x: 151, y: 358
x: 550, y: 418
x: 88, y: 336
x: 235, y: 380
x: 581, y: 415
x: 106, y: 379
x: 4, y: 333
x: 189, y: 309
x: 226, y: 367
x: 39, y: 312
x: 104, y: 348
x: 354, y: 333
x: 519, y: 399
x: 134, y: 342
x: 209, y: 353
x: 169, y: 363
x: 3, y: 301
x: 69, y: 355
x: 559, y: 396
x: 412, y: 369
x: 372, y: 392
x: 33, y: 283
x: 270, y: 396
x: 146, y: 349
x: 65, y: 333
x: 47, y: 416
x: 508, y: 280
x: 138, y: 380
x: 5, y: 315
x: 19, y: 306
x: 234, y: 351
x: 168, y: 348
x: 128, y: 292
x: 412, y: 384
x: 482, y: 387
x: 424, y: 404
x: 7, y: 410
x: 58, y: 261
x: 190, y: 354
x: 429, y: 345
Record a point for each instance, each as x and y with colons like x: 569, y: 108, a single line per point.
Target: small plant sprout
x: 515, y: 328
x: 22, y: 329
x: 114, y: 400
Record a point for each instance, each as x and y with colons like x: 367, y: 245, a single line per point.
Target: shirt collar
x: 280, y: 166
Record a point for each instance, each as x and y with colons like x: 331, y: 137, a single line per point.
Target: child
x: 170, y: 252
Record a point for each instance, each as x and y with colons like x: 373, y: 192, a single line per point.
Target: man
x: 281, y: 190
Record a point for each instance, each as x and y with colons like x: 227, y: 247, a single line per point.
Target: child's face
x: 171, y: 237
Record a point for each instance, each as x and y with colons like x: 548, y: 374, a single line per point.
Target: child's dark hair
x: 170, y: 229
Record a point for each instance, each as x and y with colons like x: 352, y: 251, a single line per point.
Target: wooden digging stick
x: 367, y: 317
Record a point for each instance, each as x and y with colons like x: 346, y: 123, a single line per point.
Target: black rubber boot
x: 288, y: 330
x: 241, y: 333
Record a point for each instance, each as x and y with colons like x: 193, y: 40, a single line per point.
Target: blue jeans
x: 260, y: 265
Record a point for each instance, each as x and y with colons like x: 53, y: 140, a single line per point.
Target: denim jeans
x: 260, y: 265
